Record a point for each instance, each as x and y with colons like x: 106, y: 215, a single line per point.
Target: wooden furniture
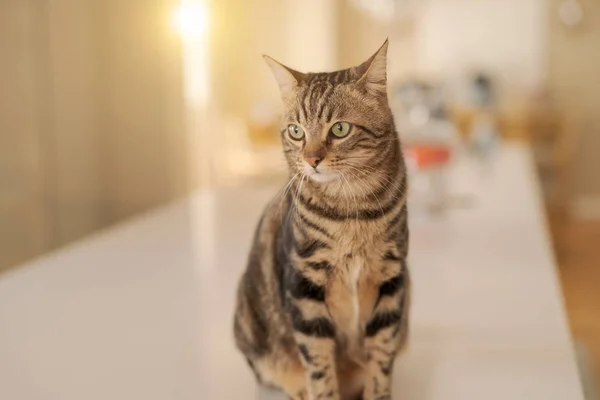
x: 554, y: 135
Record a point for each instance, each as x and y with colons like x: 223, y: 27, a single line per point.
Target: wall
x: 360, y: 35
x: 507, y: 38
x: 23, y: 202
x: 445, y: 40
x: 301, y: 34
x: 574, y: 66
x: 241, y: 31
x: 71, y: 104
x: 142, y: 128
x: 91, y: 127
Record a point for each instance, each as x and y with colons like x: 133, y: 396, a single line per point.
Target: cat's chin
x: 324, y: 178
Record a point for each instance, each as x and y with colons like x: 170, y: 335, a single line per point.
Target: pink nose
x: 313, y: 161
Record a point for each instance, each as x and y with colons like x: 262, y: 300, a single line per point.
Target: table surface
x: 144, y: 310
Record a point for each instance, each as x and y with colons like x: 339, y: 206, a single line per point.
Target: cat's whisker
x: 353, y: 195
x: 366, y: 168
x: 297, y: 213
x: 372, y: 193
x: 378, y: 174
x: 390, y: 190
x: 293, y: 211
x: 282, y: 193
x: 345, y: 195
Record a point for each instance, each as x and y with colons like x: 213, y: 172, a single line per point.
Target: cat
x: 322, y: 308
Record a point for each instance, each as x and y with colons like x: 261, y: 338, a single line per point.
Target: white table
x: 143, y: 311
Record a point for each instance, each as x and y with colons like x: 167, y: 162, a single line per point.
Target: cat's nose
x: 313, y: 161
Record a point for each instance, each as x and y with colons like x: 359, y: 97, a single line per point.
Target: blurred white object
x: 484, y: 137
x: 570, y: 12
x: 419, y: 115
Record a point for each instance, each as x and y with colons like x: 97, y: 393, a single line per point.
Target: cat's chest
x: 357, y: 239
x: 356, y: 249
x: 353, y: 287
x: 356, y: 257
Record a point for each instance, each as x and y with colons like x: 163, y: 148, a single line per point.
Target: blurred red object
x: 428, y: 155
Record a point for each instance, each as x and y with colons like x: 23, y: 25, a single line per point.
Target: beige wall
x: 301, y: 34
x: 73, y: 162
x: 91, y: 127
x: 574, y: 68
x: 241, y: 31
x: 23, y: 202
x: 447, y: 39
x: 141, y: 133
x: 505, y: 37
x: 360, y: 35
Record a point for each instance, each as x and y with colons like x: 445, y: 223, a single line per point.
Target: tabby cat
x: 322, y: 308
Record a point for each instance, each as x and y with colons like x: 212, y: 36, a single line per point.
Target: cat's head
x: 336, y: 125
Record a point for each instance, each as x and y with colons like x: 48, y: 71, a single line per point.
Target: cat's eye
x: 340, y: 129
x: 296, y: 132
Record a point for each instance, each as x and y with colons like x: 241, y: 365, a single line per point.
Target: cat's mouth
x: 320, y: 173
x: 321, y: 176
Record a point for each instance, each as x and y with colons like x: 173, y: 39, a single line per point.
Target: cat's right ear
x: 287, y: 78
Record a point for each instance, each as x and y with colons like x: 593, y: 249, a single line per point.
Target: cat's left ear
x: 286, y: 77
x: 373, y: 72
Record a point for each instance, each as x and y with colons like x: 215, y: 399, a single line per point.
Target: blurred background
x: 111, y: 108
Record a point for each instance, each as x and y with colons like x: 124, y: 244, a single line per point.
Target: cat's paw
x: 301, y: 395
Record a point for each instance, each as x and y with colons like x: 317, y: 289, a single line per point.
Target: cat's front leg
x: 314, y: 334
x: 385, y: 333
x: 318, y: 357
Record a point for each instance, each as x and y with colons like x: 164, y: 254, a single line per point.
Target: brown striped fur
x: 322, y: 308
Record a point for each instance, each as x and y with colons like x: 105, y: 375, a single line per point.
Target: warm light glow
x: 190, y: 19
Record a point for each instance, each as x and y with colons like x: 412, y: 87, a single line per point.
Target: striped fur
x: 322, y: 308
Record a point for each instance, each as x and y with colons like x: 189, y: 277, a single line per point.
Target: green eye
x: 341, y: 129
x: 295, y: 132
